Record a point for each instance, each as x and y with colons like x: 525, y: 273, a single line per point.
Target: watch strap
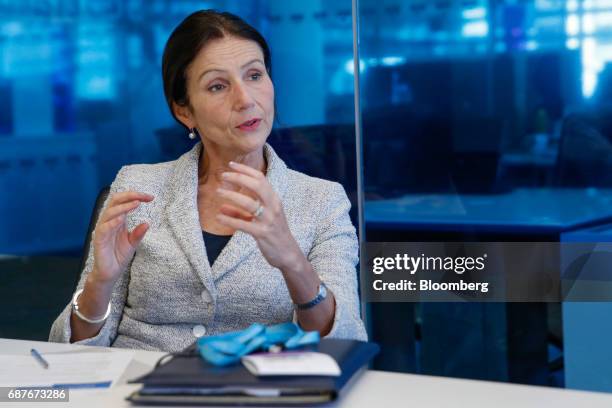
x: 321, y: 295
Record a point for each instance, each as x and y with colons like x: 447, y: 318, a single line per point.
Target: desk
x: 505, y: 342
x: 369, y: 390
x: 522, y: 210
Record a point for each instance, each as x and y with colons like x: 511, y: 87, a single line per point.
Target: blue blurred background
x: 480, y: 121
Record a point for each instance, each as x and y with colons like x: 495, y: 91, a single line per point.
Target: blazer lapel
x: 241, y: 245
x: 183, y: 217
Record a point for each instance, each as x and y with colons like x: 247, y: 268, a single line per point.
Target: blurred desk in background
x: 527, y: 211
x: 546, y: 158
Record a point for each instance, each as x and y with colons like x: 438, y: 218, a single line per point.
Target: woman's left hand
x: 270, y: 228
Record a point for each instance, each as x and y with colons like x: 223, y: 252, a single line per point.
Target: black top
x: 214, y: 245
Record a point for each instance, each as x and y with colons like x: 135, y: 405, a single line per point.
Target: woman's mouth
x: 249, y: 125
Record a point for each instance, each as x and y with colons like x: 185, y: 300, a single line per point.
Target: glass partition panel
x: 484, y: 121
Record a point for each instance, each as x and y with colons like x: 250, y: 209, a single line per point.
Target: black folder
x: 189, y: 380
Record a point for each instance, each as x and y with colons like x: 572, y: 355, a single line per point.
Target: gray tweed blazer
x: 170, y: 292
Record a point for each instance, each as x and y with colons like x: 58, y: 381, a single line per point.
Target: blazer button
x: 199, y: 330
x: 206, y: 296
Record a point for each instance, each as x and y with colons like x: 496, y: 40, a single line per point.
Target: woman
x: 226, y: 235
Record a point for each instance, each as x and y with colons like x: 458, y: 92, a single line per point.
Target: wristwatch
x: 318, y: 299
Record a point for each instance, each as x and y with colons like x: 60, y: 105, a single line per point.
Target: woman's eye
x: 216, y: 88
x: 256, y: 76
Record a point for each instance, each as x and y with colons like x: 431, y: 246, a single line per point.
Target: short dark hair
x: 189, y: 37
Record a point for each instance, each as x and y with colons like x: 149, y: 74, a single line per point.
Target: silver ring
x: 258, y: 211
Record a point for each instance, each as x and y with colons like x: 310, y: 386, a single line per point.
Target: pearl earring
x: 192, y: 134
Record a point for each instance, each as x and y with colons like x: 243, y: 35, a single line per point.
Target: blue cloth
x: 228, y: 348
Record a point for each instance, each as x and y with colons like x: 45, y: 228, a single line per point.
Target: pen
x: 39, y: 358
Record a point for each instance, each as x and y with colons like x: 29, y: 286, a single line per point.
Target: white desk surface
x: 373, y: 388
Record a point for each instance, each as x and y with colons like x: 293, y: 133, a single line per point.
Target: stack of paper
x: 76, y: 369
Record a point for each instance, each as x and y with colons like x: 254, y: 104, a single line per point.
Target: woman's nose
x: 242, y: 98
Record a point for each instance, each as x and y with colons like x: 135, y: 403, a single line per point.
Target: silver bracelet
x: 77, y: 312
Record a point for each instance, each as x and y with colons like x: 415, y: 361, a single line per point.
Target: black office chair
x: 585, y: 154
x: 95, y: 213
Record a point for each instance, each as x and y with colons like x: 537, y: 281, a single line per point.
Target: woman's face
x: 231, y: 96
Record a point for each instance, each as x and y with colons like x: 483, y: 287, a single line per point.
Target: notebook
x: 189, y: 380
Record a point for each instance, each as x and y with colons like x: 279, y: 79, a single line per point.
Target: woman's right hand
x: 114, y: 245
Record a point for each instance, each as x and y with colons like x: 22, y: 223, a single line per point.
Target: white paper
x: 76, y: 370
x: 291, y: 363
